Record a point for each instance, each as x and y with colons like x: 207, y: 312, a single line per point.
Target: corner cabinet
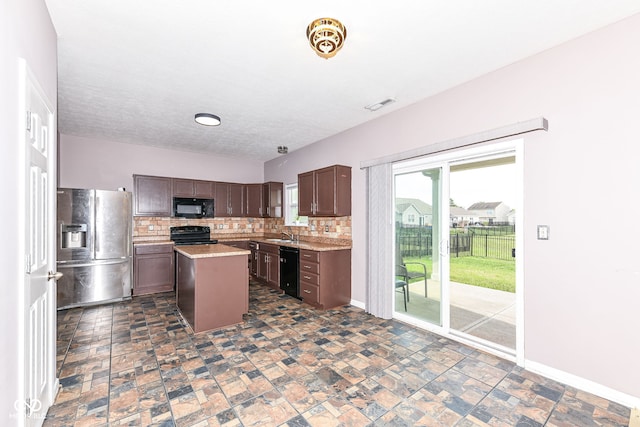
x: 325, y: 278
x: 272, y: 199
x: 325, y: 192
x: 152, y: 196
x: 152, y: 268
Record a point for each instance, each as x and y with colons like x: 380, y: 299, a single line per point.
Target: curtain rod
x: 539, y: 123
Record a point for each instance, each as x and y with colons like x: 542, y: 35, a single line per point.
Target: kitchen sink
x: 279, y: 240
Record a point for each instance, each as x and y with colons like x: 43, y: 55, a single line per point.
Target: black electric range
x: 191, y: 235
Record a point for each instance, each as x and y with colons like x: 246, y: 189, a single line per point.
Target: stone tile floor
x: 135, y: 363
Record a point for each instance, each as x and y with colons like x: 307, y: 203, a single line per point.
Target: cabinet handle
x: 306, y: 291
x: 307, y: 277
x: 306, y: 256
x: 308, y: 267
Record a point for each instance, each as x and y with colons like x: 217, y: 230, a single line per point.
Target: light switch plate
x: 543, y: 232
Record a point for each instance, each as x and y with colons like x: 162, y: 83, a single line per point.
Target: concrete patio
x: 484, y: 313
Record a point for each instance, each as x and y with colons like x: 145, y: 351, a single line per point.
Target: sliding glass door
x: 418, y: 230
x: 455, y: 244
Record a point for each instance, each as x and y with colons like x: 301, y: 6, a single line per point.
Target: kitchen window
x: 291, y: 216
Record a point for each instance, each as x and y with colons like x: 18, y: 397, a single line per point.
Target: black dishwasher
x: 289, y: 270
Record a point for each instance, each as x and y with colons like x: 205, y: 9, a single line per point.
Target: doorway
x: 455, y: 245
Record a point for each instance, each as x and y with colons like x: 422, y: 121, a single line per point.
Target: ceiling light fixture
x: 283, y: 149
x: 326, y: 36
x: 379, y: 105
x: 207, y: 119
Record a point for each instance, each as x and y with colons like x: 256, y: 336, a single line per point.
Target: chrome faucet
x: 290, y: 235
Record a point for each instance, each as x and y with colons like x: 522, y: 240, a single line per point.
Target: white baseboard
x: 357, y: 304
x: 583, y: 384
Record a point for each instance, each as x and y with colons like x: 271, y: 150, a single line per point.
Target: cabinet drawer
x: 308, y: 267
x: 152, y: 249
x: 309, y: 293
x: 311, y: 256
x: 310, y: 278
x: 272, y: 249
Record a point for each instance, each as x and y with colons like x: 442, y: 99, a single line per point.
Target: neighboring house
x: 511, y: 217
x: 460, y: 217
x: 413, y: 212
x: 490, y: 212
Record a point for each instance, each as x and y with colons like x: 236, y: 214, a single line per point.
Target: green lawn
x: 477, y: 271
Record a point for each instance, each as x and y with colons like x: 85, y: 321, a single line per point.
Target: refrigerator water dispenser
x: 74, y: 236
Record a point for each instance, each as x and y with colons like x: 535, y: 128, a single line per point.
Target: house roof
x: 402, y: 204
x: 483, y: 205
x: 458, y: 211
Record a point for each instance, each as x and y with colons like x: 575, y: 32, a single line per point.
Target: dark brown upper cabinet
x: 325, y: 192
x: 253, y: 200
x: 229, y: 198
x: 152, y: 196
x: 192, y: 188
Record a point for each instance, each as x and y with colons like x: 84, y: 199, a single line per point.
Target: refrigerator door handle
x: 92, y: 263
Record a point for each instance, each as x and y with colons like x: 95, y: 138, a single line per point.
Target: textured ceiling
x: 138, y: 71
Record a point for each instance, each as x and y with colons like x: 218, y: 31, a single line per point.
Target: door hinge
x: 27, y: 407
x: 28, y: 264
x: 28, y: 123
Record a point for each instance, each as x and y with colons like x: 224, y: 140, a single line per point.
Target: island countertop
x: 209, y: 251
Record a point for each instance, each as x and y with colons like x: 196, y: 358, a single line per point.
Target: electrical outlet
x: 220, y: 226
x: 326, y: 228
x: 150, y: 227
x: 313, y: 228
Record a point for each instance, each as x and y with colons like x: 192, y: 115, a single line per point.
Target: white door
x: 39, y: 307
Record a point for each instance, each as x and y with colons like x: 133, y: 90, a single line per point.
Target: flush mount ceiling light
x: 207, y: 119
x: 326, y: 36
x: 379, y: 105
x: 283, y: 149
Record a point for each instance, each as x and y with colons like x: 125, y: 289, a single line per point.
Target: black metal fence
x: 417, y: 242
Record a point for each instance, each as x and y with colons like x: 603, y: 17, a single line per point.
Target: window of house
x: 411, y: 218
x: 291, y: 216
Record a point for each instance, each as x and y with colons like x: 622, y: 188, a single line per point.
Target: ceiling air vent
x: 379, y: 105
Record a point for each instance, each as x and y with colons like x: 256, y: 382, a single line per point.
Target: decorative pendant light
x: 326, y: 36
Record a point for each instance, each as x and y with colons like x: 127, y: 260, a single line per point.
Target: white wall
x: 107, y: 165
x: 582, y: 286
x: 25, y: 31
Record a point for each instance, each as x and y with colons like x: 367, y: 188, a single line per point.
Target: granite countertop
x: 310, y: 246
x: 209, y: 251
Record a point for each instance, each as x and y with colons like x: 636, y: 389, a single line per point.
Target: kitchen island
x: 212, y: 285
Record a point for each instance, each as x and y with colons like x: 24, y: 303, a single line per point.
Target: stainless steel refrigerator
x: 94, y: 242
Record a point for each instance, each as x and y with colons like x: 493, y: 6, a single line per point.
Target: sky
x: 491, y: 184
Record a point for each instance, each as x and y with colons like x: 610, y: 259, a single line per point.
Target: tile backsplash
x: 319, y: 228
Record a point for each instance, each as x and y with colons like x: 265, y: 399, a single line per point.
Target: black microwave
x: 186, y: 207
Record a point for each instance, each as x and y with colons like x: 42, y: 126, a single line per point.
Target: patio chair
x: 402, y: 285
x: 402, y: 271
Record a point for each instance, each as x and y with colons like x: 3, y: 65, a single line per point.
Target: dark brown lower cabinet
x: 268, y: 265
x: 325, y: 278
x: 152, y: 269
